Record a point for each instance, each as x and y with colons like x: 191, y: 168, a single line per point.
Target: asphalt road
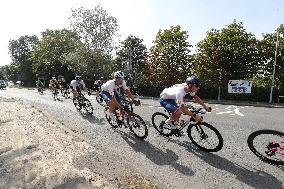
x: 170, y: 162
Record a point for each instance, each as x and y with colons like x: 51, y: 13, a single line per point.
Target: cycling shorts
x: 169, y: 104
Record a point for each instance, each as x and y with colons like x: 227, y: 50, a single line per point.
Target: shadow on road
x: 155, y: 154
x: 93, y: 119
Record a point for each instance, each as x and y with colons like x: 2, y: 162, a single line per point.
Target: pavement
x: 223, y: 102
x: 230, y: 102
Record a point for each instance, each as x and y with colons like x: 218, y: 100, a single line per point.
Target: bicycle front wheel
x: 205, y: 136
x: 137, y: 126
x: 268, y: 145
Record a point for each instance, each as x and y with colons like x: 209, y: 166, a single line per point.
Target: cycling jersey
x: 39, y: 84
x: 54, y: 83
x: 110, y: 86
x: 176, y: 92
x: 74, y: 84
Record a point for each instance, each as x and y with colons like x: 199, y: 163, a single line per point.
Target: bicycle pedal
x: 178, y: 133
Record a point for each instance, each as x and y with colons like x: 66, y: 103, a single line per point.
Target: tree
x: 169, y: 59
x: 20, y: 51
x: 96, y: 28
x: 88, y: 63
x: 50, y: 52
x: 268, y: 47
x: 231, y: 53
x: 132, y: 50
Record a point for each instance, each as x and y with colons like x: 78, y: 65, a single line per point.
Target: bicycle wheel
x: 205, y: 136
x: 158, y: 121
x: 268, y: 145
x: 88, y: 106
x: 137, y: 125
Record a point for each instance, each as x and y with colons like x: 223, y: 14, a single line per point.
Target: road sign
x: 239, y: 86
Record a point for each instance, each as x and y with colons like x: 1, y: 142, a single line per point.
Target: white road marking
x: 238, y: 112
x: 227, y: 112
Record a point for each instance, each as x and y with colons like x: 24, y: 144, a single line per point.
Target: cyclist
x: 63, y: 86
x: 76, y: 85
x: 53, y: 84
x: 111, y: 95
x: 170, y: 95
x: 98, y: 84
x: 39, y: 85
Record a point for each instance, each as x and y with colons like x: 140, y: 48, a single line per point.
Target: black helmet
x: 77, y: 77
x: 193, y: 80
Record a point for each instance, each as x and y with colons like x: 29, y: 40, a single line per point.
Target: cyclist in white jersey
x: 169, y: 96
x: 76, y: 84
x: 110, y: 93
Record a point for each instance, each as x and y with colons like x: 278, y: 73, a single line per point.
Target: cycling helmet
x: 119, y: 74
x: 53, y: 77
x: 193, y: 80
x: 78, y: 78
x: 102, y: 78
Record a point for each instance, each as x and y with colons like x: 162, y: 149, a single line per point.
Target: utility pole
x: 219, y: 92
x: 274, y: 65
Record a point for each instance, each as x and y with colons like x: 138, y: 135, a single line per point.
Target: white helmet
x: 119, y: 74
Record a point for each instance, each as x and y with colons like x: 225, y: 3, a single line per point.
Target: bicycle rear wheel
x: 205, y: 136
x: 137, y: 125
x: 158, y: 121
x: 268, y: 145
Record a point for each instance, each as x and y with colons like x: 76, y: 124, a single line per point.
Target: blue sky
x: 142, y: 18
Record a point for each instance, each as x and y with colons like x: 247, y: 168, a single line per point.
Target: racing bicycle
x: 126, y: 118
x: 202, y: 134
x: 81, y: 102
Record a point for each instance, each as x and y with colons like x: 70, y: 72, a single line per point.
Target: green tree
x: 231, y: 53
x: 96, y: 28
x: 50, y: 52
x: 88, y: 63
x: 169, y: 58
x: 132, y: 50
x: 20, y: 51
x: 268, y: 47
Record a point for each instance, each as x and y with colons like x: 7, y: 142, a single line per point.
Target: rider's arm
x: 199, y: 101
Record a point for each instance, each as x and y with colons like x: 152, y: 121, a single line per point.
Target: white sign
x: 239, y: 86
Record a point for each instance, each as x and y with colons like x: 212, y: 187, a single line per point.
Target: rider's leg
x: 171, y: 106
x: 115, y: 102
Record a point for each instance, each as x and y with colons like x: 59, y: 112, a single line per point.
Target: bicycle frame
x: 275, y: 149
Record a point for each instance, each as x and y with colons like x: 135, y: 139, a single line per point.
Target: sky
x: 142, y: 18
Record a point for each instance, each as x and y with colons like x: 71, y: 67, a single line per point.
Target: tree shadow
x: 254, y: 178
x: 155, y: 154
